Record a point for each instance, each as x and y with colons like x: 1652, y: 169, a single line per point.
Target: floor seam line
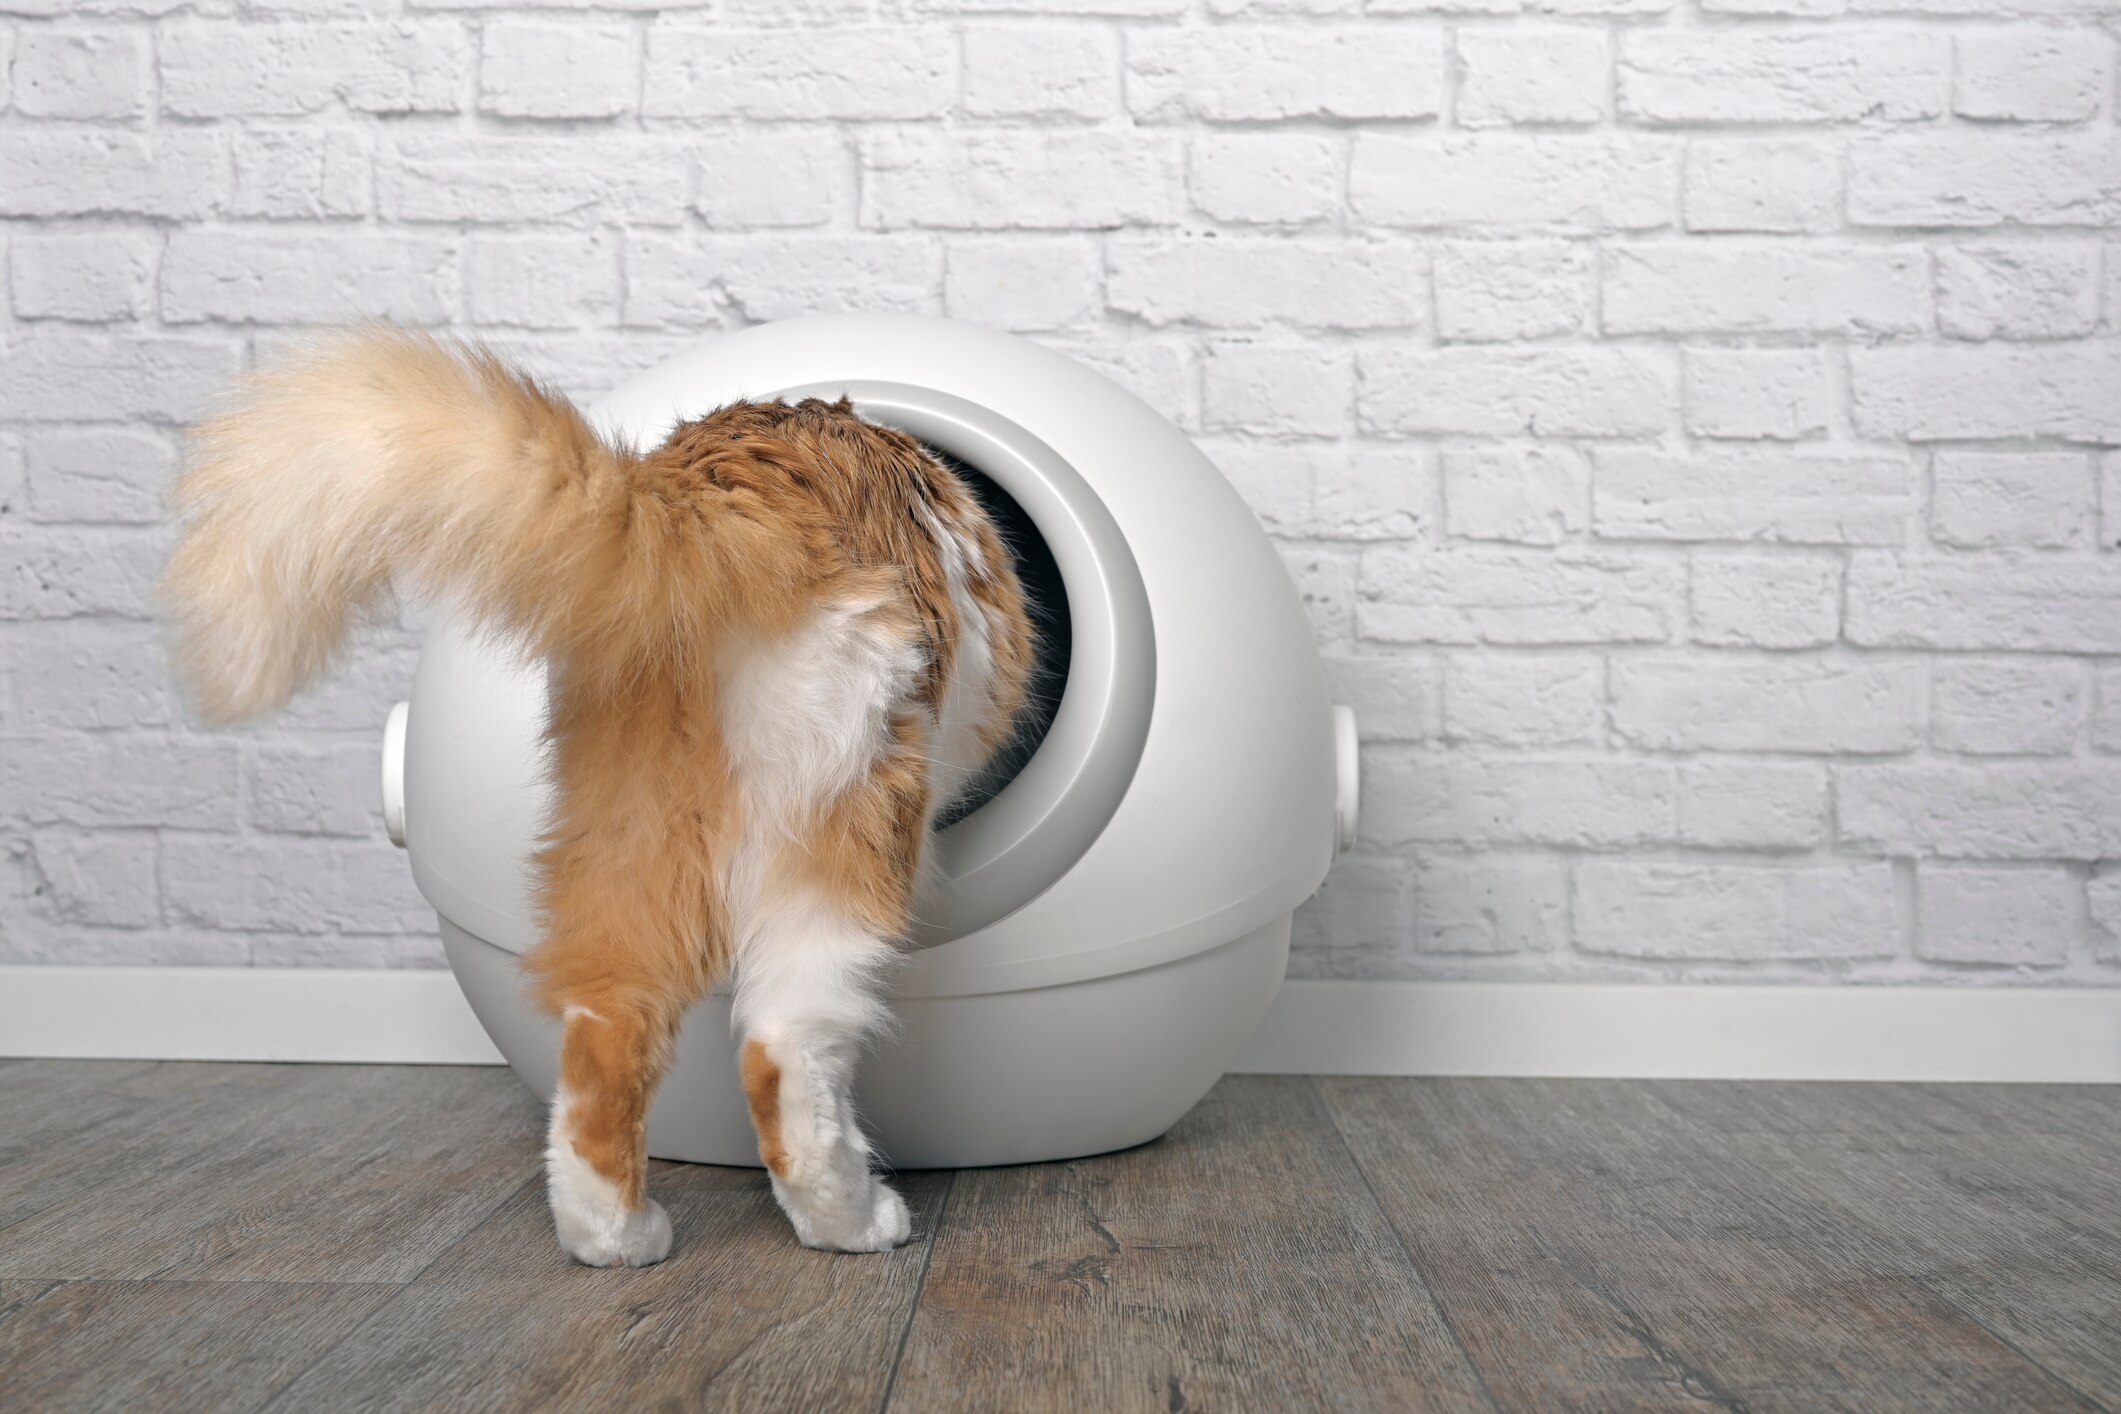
x: 389, y: 1301
x: 920, y: 1289
x: 1413, y: 1262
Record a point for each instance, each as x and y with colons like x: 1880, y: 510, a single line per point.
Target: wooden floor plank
x: 739, y: 1317
x: 274, y: 1173
x: 196, y: 1346
x: 319, y: 1237
x: 1239, y: 1263
x: 69, y: 1126
x: 1616, y: 1245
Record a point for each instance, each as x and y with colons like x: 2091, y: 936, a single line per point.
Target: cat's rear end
x: 783, y: 640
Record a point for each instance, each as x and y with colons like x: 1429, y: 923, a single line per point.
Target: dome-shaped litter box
x: 1112, y: 916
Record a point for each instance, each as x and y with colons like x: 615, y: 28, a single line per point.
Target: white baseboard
x: 1322, y: 1028
x: 1691, y: 1032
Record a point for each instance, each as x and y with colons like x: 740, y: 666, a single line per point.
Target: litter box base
x: 963, y: 1081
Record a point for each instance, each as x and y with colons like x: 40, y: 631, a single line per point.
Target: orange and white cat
x: 782, y: 640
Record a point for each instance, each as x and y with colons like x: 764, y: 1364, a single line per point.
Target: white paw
x: 871, y: 1218
x: 639, y: 1238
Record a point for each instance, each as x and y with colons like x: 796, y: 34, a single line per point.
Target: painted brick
x: 70, y: 376
x: 2005, y: 706
x: 542, y: 281
x: 683, y: 281
x: 1986, y: 179
x: 539, y: 69
x: 1155, y: 369
x: 1529, y: 700
x: 2106, y: 714
x: 1332, y: 491
x: 1776, y: 394
x: 1012, y: 283
x: 96, y: 880
x: 77, y: 571
x: 2071, y: 606
x: 1412, y: 595
x: 1762, y: 184
x: 1487, y: 801
x: 2105, y: 895
x: 2110, y: 500
x: 338, y: 277
x: 903, y: 71
x: 1806, y: 704
x: 305, y: 790
x: 1746, y: 600
x: 508, y: 180
x: 1041, y: 71
x: 1531, y: 76
x: 1395, y: 699
x: 119, y: 780
x: 83, y: 74
x: 2030, y: 74
x: 2018, y: 292
x: 1999, y: 917
x: 1564, y: 182
x: 1936, y: 394
x: 1243, y: 281
x: 1796, y: 76
x: 1753, y: 494
x: 1357, y: 923
x: 176, y: 174
x: 1272, y: 178
x: 1735, y: 912
x: 86, y: 275
x: 1548, y: 392
x: 117, y: 475
x: 1490, y: 904
x: 1983, y: 500
x: 212, y: 69
x: 1996, y: 809
x: 1125, y: 8
x: 773, y: 177
x: 1355, y: 247
x: 1277, y: 390
x: 1324, y: 576
x: 82, y: 677
x: 1531, y: 495
x: 1241, y: 73
x: 1752, y: 805
x: 301, y: 173
x: 1694, y: 288
x: 1492, y: 291
x: 1021, y: 178
x: 283, y: 884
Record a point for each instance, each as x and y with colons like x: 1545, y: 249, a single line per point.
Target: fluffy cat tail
x: 375, y: 453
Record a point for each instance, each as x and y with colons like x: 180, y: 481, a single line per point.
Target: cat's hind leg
x: 808, y: 998
x: 620, y: 998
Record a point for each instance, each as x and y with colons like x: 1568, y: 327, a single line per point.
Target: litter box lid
x: 1185, y: 788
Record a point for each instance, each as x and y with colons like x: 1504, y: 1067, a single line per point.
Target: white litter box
x: 1113, y: 913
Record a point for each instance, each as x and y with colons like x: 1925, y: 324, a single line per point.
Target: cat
x: 781, y: 642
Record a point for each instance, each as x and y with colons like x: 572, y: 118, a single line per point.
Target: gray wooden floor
x: 187, y: 1236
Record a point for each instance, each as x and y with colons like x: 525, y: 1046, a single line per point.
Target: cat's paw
x: 871, y: 1218
x: 639, y: 1238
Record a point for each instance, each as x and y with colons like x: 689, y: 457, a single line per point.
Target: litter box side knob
x: 1347, y: 768
x: 394, y: 773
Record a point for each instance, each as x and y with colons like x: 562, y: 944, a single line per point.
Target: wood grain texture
x: 189, y: 1345
x: 1619, y: 1245
x: 325, y: 1238
x: 738, y: 1318
x: 262, y: 1173
x: 1238, y: 1263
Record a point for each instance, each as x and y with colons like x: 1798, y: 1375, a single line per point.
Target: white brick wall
x: 1695, y: 425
